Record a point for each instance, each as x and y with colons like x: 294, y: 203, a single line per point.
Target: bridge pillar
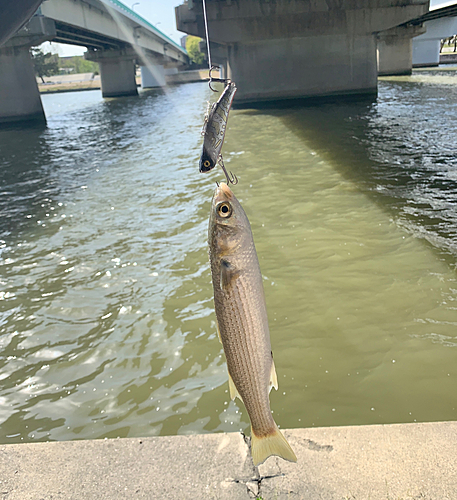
x: 152, y: 75
x: 426, y: 47
x: 19, y: 96
x: 117, y: 71
x: 284, y: 50
x: 426, y: 53
x: 395, y: 50
x: 290, y: 68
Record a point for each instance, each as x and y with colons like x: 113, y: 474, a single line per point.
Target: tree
x: 193, y: 49
x: 45, y: 64
x: 79, y: 65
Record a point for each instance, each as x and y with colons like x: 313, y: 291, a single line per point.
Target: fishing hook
x: 232, y: 178
x: 211, y: 79
x: 227, y: 81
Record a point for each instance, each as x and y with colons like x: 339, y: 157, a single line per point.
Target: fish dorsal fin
x: 228, y: 274
x: 233, y: 390
x: 273, y: 376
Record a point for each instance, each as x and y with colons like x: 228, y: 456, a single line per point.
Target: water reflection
x: 106, y: 314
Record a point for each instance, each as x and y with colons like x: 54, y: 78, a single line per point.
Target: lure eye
x: 224, y: 210
x: 206, y: 164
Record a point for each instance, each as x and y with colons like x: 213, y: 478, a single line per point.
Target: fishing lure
x: 214, y: 131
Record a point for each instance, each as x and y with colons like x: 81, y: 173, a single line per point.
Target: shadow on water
x: 401, y: 154
x: 25, y: 158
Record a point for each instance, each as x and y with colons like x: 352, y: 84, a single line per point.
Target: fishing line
x: 207, y: 37
x: 210, y: 64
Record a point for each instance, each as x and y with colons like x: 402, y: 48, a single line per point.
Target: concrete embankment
x: 377, y: 462
x: 448, y: 58
x: 88, y: 81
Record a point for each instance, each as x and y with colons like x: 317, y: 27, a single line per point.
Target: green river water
x: 107, y: 325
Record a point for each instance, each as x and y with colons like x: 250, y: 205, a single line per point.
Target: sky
x: 161, y: 13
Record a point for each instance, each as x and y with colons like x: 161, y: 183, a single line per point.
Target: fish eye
x: 206, y: 163
x: 224, y: 210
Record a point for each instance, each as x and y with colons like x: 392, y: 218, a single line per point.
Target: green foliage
x: 45, y: 64
x: 79, y: 65
x: 193, y: 49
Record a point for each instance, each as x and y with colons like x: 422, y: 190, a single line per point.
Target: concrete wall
x: 197, y: 75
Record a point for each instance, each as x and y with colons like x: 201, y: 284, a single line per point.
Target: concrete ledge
x: 448, y: 58
x: 378, y: 462
x: 196, y: 75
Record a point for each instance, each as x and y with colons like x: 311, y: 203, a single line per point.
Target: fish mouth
x: 223, y: 192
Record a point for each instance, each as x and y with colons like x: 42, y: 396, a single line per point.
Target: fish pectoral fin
x: 273, y: 376
x: 218, y: 332
x: 228, y: 274
x: 233, y: 390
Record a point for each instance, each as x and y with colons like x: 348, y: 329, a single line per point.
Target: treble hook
x: 232, y: 178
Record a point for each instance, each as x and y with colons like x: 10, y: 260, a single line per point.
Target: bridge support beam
x: 19, y: 96
x: 284, y: 50
x: 117, y: 71
x: 395, y: 50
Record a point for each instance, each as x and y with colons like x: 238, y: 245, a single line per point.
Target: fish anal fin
x: 273, y: 376
x: 228, y: 274
x: 273, y: 444
x: 233, y: 390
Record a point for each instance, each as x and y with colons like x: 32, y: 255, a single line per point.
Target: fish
x: 214, y: 128
x: 242, y: 321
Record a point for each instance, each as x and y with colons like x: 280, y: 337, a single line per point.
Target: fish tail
x: 272, y: 444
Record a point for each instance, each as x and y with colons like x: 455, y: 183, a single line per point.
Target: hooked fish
x: 242, y: 321
x: 214, y: 128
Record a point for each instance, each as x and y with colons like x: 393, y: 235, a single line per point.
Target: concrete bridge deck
x: 116, y: 37
x: 376, y: 462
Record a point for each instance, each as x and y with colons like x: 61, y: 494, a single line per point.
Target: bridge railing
x: 132, y: 13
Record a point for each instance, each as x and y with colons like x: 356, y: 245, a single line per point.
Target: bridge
x: 280, y: 49
x: 439, y: 23
x: 116, y: 37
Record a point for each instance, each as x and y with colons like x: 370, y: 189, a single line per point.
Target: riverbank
x: 376, y: 462
x: 88, y: 81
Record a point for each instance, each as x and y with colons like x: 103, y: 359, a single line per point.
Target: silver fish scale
x: 242, y: 318
x: 243, y: 325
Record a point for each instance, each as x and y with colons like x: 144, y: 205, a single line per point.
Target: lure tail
x: 273, y: 444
